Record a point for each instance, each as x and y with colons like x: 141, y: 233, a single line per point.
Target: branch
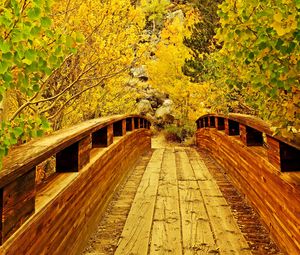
x: 84, y: 90
x: 37, y: 93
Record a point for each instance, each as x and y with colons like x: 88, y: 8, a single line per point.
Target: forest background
x: 63, y: 62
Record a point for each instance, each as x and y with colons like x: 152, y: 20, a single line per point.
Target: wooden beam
x: 18, y: 203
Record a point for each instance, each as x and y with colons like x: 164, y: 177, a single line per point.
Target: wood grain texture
x: 223, y: 234
x: 255, y: 123
x: 68, y: 207
x: 25, y: 157
x: 136, y: 233
x: 18, y: 205
x: 84, y: 148
x: 166, y: 229
x: 275, y: 195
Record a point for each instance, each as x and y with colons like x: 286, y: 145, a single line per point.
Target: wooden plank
x: 166, y: 230
x: 18, y: 204
x: 136, y: 233
x: 197, y: 235
x: 184, y: 169
x: 228, y: 236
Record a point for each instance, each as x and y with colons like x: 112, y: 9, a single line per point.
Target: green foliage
x: 30, y: 50
x: 179, y: 133
x: 257, y: 68
x: 155, y: 10
x: 202, y: 42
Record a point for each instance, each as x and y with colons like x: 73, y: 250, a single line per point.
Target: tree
x: 31, y: 51
x: 54, y: 56
x: 258, y: 64
x: 202, y: 41
x: 165, y: 70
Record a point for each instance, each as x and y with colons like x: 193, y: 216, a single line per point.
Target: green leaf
x: 40, y: 133
x: 80, y: 37
x: 18, y: 131
x: 251, y: 56
x: 5, y: 46
x: 3, y: 67
x: 69, y: 41
x: 36, y: 88
x: 46, y: 22
x: 30, y: 54
x: 27, y: 61
x: 34, y: 13
x: 35, y: 30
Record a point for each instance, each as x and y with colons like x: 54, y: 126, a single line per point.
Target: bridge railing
x: 284, y: 154
x: 263, y: 166
x: 71, y: 148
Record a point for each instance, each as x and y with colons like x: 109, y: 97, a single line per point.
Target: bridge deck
x: 171, y: 205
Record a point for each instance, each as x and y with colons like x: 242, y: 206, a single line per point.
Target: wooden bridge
x: 159, y: 200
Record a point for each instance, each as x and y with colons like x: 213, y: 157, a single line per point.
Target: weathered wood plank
x: 184, y: 169
x: 228, y: 236
x: 166, y: 230
x: 136, y: 233
x: 197, y: 235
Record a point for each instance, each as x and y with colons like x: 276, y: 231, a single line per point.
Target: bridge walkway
x: 170, y: 204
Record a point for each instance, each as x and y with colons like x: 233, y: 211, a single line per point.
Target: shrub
x: 176, y: 133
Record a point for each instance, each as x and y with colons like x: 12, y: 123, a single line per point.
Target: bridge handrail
x: 71, y: 147
x: 255, y: 123
x: 284, y: 154
x: 24, y: 157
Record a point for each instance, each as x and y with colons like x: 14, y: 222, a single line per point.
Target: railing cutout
x: 232, y: 127
x: 67, y: 159
x: 251, y: 136
x: 284, y: 157
x: 100, y: 138
x: 119, y: 128
x: 206, y: 122
x: 136, y: 123
x: 220, y: 123
x: 129, y: 126
x: 212, y: 122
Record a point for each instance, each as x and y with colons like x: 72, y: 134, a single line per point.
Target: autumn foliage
x: 62, y: 62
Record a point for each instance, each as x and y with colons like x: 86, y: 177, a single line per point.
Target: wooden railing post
x: 110, y: 134
x: 124, y: 127
x: 84, y: 148
x: 17, y: 203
